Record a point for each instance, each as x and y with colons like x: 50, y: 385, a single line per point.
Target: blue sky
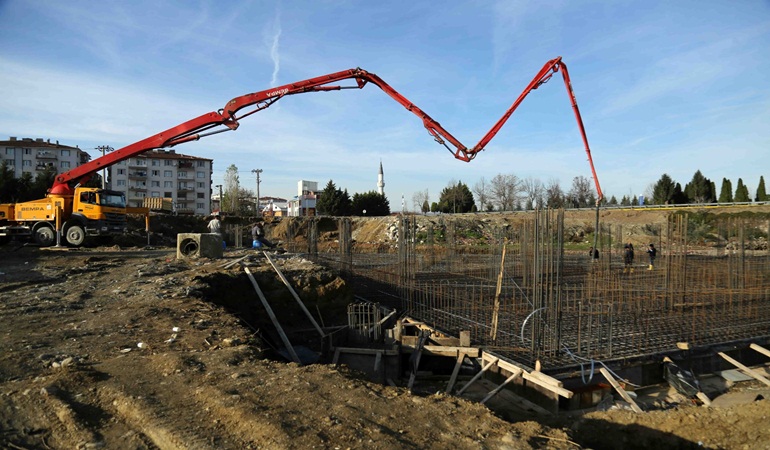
x: 663, y: 87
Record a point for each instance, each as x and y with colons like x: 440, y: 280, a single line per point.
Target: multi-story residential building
x: 35, y: 155
x: 186, y: 180
x: 304, y: 203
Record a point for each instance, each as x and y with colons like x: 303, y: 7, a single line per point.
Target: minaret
x: 381, y: 181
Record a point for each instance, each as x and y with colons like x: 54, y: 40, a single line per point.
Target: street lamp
x: 220, y: 198
x: 104, y: 149
x: 257, y: 171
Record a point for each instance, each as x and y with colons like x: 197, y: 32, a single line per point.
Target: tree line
x: 508, y: 192
x: 27, y: 187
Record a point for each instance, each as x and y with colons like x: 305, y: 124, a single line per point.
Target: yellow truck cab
x: 88, y: 212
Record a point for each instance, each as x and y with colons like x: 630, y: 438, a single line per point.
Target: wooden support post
x: 465, y: 338
x: 455, y: 372
x: 293, y: 293
x: 620, y: 390
x: 760, y: 349
x: 496, y: 310
x: 478, y: 375
x: 499, y: 388
x: 270, y: 313
x: 336, y: 359
x: 415, y: 358
x: 377, y: 360
x: 748, y: 370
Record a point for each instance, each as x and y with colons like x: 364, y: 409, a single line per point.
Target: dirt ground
x: 130, y: 348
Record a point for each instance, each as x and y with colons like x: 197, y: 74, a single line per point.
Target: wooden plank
x: 520, y: 402
x: 546, y: 378
x: 336, y: 356
x: 760, y: 349
x: 704, y: 398
x: 499, y: 388
x: 294, y: 294
x: 537, y: 379
x: 489, y: 364
x: 498, y: 289
x: 270, y: 313
x: 455, y: 372
x: 440, y: 350
x: 748, y: 370
x: 620, y: 390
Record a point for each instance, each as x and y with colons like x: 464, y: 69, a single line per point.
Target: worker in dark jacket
x: 652, y: 252
x: 258, y: 237
x: 628, y: 258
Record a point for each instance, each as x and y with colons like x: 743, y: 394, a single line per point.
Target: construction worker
x: 652, y: 252
x: 628, y: 258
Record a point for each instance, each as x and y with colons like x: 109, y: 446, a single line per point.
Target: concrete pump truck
x: 76, y: 212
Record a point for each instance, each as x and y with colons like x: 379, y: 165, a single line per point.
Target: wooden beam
x: 294, y: 294
x: 496, y: 307
x: 365, y: 351
x: 270, y: 313
x: 441, y: 350
x: 748, y: 370
x: 760, y: 349
x: 620, y: 390
x: 478, y: 375
x: 552, y: 385
x: 455, y: 372
x: 499, y: 388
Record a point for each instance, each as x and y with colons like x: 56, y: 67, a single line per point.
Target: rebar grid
x: 556, y: 306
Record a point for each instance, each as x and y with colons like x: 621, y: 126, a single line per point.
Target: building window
x: 26, y: 163
x: 201, y: 195
x: 121, y: 171
x: 155, y: 194
x: 65, y: 164
x: 199, y: 205
x: 10, y: 151
x: 156, y: 173
x: 168, y: 162
x: 201, y: 163
x: 167, y: 194
x: 155, y: 183
x: 121, y: 182
x: 65, y: 152
x: 200, y: 185
x: 155, y: 162
x: 200, y: 174
x: 168, y: 184
x: 27, y: 151
x: 181, y: 174
x: 167, y: 173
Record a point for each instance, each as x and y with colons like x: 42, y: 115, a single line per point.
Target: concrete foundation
x: 198, y: 245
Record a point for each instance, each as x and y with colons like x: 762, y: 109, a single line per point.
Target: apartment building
x: 186, y: 180
x: 27, y: 155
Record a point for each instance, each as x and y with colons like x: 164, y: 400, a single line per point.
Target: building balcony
x: 44, y: 166
x: 44, y: 154
x: 138, y: 174
x: 185, y: 164
x: 137, y: 188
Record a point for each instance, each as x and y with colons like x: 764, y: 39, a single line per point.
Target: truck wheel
x: 75, y: 235
x: 44, y: 235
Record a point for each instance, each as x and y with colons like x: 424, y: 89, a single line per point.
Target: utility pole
x: 220, y: 198
x: 104, y: 149
x: 257, y: 171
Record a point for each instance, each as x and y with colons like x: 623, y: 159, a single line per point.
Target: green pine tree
x: 762, y: 195
x: 726, y: 194
x: 742, y: 192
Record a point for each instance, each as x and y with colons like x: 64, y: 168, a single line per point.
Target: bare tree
x: 230, y: 201
x: 483, y: 192
x: 581, y: 195
x: 534, y: 192
x: 420, y: 199
x: 505, y: 191
x: 554, y: 196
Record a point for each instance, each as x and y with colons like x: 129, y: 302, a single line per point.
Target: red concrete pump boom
x: 228, y: 118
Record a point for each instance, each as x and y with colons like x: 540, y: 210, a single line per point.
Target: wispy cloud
x: 274, y: 55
